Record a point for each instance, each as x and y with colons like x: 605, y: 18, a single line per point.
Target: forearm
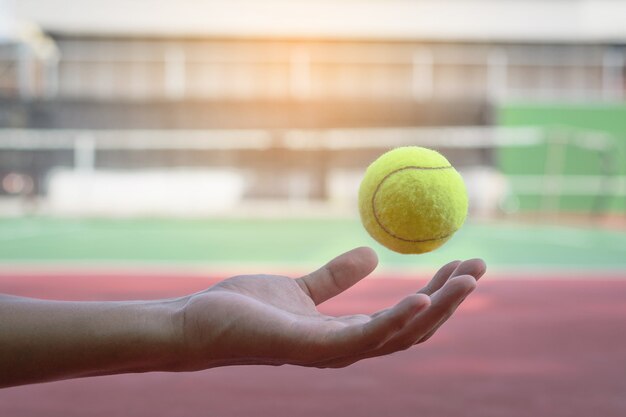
x: 50, y: 340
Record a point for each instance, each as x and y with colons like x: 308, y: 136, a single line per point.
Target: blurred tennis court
x: 296, y: 245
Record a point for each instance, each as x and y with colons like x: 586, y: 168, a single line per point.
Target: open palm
x: 269, y: 319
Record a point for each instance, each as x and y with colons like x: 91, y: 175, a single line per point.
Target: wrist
x: 144, y: 336
x: 162, y: 342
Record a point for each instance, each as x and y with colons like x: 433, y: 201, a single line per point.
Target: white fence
x: 85, y: 186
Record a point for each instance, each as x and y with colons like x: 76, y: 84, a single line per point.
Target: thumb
x: 339, y: 274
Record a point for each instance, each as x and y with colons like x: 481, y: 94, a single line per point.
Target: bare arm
x: 48, y: 340
x: 254, y: 319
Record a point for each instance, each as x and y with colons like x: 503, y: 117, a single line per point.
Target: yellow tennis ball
x: 412, y: 200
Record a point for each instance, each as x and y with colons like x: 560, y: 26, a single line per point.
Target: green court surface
x: 294, y: 244
x: 575, y: 159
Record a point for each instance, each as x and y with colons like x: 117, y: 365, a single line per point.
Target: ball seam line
x: 376, y: 214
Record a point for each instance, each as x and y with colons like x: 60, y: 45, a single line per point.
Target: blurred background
x: 220, y: 137
x: 273, y: 109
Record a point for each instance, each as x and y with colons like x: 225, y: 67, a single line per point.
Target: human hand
x: 269, y: 319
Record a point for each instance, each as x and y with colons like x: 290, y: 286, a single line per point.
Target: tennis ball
x: 412, y: 200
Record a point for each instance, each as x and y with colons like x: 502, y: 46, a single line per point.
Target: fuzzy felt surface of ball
x: 412, y: 200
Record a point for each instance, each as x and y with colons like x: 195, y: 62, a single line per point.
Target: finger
x: 434, y: 330
x: 339, y: 274
x: 442, y: 275
x: 473, y: 267
x: 382, y: 328
x: 359, y: 338
x: 442, y: 304
x: 440, y: 278
x: 451, y: 294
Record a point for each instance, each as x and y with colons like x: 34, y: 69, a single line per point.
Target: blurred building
x: 280, y: 66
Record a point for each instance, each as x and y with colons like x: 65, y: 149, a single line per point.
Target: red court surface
x: 515, y: 348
